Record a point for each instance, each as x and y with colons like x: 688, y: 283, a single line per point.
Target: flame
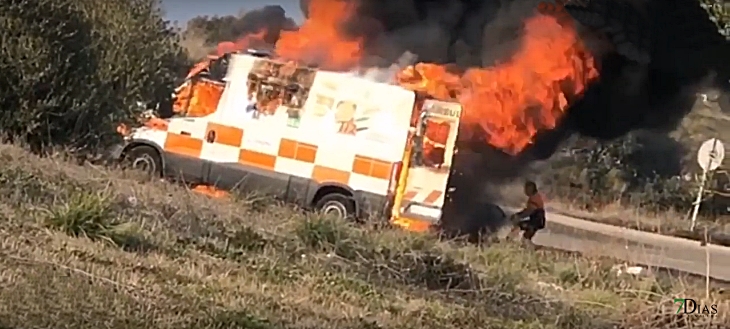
x: 320, y: 40
x: 197, y: 98
x: 508, y: 103
x: 247, y: 41
x: 210, y: 191
x: 511, y: 102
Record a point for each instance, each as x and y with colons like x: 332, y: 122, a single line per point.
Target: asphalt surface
x: 654, y: 250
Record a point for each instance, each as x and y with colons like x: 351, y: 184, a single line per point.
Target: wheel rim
x: 335, y: 209
x: 144, y: 163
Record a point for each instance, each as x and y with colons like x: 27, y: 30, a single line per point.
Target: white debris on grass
x: 621, y: 269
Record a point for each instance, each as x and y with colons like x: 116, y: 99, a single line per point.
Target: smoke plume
x: 652, y: 56
x: 272, y: 19
x: 256, y: 28
x: 683, y: 47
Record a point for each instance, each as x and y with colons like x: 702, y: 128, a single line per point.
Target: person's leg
x: 527, y: 236
x: 529, y: 233
x: 513, y: 233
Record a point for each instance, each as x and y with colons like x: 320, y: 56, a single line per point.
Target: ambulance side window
x: 294, y: 96
x: 253, y: 85
x: 298, y: 83
x: 262, y: 96
x: 275, y: 85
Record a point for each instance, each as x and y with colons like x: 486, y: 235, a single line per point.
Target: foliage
x: 641, y: 164
x: 650, y: 170
x: 74, y: 68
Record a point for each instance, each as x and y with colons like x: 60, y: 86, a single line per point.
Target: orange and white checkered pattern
x: 333, y: 162
x: 427, y: 197
x: 307, y: 152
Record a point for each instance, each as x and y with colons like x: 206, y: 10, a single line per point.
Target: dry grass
x: 81, y: 247
x: 666, y: 223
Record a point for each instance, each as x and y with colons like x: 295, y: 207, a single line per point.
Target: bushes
x: 642, y: 169
x: 73, y: 68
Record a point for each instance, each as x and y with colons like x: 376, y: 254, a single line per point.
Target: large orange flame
x: 512, y: 101
x: 320, y: 40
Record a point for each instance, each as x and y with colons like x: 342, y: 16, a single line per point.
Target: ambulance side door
x: 183, y: 148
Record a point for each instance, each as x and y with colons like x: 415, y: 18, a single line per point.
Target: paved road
x: 573, y: 234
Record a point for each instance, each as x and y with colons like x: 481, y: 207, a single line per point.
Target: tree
x: 74, y: 68
x: 642, y: 168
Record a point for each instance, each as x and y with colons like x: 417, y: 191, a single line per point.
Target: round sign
x: 711, y: 154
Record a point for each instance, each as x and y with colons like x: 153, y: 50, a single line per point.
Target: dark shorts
x: 531, y: 225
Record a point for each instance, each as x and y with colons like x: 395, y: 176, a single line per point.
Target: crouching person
x: 531, y: 219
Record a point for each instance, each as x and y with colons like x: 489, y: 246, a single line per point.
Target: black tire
x: 144, y: 158
x: 338, y: 205
x: 478, y: 222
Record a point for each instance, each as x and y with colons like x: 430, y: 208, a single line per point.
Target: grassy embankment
x: 83, y: 247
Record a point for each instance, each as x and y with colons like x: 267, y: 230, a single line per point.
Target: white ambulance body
x: 331, y: 141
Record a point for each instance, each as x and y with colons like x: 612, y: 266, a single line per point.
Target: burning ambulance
x: 330, y: 141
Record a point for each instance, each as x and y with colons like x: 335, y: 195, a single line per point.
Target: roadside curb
x: 650, y: 250
x: 714, y: 237
x: 585, y: 226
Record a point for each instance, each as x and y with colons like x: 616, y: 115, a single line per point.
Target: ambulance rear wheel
x: 145, y: 159
x: 338, y: 205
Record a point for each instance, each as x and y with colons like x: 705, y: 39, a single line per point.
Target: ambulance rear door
x: 432, y: 150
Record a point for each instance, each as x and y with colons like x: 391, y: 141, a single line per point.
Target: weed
x: 92, y: 215
x: 219, y: 264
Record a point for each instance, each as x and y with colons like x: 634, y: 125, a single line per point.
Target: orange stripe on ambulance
x: 315, y: 138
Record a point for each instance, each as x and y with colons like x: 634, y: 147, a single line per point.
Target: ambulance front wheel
x: 145, y: 159
x: 338, y: 205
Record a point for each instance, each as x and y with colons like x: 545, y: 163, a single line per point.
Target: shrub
x: 74, y: 68
x: 642, y: 169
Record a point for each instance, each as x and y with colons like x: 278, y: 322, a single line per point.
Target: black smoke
x: 272, y: 19
x: 653, y: 56
x: 659, y: 53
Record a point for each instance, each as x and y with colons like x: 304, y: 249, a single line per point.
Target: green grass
x: 82, y: 247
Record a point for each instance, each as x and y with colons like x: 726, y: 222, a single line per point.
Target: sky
x: 183, y: 10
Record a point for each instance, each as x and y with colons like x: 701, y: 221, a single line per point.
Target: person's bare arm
x: 527, y: 211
